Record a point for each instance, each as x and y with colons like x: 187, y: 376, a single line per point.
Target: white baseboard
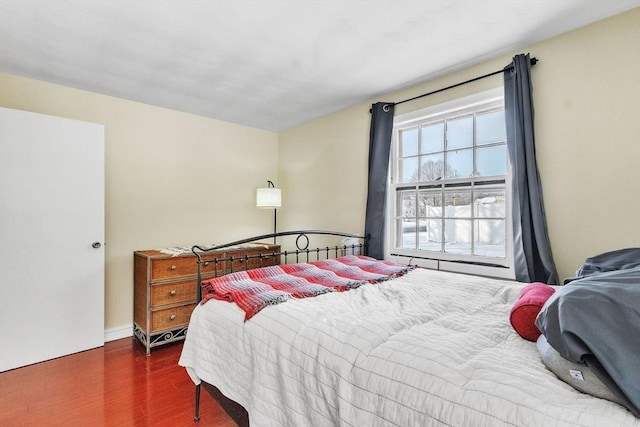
x: 118, y: 333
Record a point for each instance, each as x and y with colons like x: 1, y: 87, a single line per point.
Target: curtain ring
x: 386, y: 108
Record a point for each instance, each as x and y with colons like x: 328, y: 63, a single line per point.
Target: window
x: 449, y: 175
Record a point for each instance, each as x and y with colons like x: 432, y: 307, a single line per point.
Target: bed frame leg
x: 197, y: 415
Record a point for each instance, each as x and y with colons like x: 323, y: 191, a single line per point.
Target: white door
x: 51, y: 237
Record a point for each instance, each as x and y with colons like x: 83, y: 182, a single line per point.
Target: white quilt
x: 426, y: 349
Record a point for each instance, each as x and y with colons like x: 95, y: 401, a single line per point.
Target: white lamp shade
x: 269, y: 198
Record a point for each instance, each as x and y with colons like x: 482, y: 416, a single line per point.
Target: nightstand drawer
x: 174, y: 292
x: 183, y: 266
x: 171, y: 317
x: 168, y: 268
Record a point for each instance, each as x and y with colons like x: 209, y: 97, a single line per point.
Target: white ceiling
x: 270, y: 64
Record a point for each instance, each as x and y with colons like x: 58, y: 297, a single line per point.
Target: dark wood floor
x: 115, y: 385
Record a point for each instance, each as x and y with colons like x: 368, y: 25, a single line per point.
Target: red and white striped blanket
x: 253, y: 290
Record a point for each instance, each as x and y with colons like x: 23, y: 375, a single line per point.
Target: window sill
x: 456, y: 267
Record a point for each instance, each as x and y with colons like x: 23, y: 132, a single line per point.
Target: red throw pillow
x: 525, y: 310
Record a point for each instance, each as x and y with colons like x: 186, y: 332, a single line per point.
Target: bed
x: 414, y: 348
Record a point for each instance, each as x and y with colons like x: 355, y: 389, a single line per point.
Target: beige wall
x: 172, y: 179
x: 587, y: 103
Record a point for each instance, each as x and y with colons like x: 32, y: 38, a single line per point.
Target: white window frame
x: 492, y: 267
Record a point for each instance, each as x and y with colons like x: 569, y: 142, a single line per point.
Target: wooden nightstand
x: 165, y: 287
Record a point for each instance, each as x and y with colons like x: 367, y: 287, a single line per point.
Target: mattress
x: 426, y: 349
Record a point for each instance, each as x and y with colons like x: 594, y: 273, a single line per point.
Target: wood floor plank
x: 115, y: 385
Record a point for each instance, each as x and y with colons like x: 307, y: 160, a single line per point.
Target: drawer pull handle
x: 206, y: 264
x: 172, y: 317
x: 172, y: 293
x: 173, y: 267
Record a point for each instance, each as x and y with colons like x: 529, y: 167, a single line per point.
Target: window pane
x: 432, y: 167
x: 406, y: 203
x: 430, y: 235
x: 408, y: 169
x: 460, y: 164
x: 457, y: 203
x: 432, y: 138
x: 430, y: 204
x: 490, y: 238
x: 491, y: 161
x: 409, y: 226
x: 489, y: 204
x: 405, y: 234
x: 490, y: 127
x: 409, y: 142
x: 460, y: 133
x: 457, y: 236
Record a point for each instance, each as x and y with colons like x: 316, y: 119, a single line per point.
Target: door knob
x: 96, y: 245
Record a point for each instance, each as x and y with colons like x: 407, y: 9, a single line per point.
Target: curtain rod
x: 533, y: 62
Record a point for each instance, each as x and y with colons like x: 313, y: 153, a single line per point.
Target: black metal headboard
x: 302, y: 250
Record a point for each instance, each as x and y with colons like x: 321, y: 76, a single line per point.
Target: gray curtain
x: 379, y: 150
x: 531, y: 248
